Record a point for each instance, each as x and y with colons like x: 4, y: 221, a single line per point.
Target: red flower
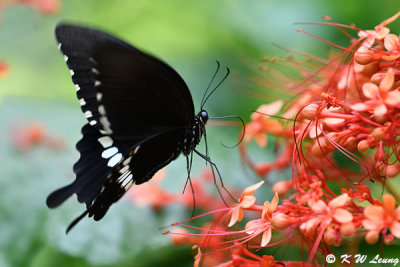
x: 4, y: 69
x: 246, y: 201
x: 380, y: 218
x: 263, y: 226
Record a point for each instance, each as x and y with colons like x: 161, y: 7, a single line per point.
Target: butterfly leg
x: 206, y: 144
x: 188, y: 179
x: 214, y: 169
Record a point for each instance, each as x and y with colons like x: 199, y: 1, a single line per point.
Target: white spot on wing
x: 88, y: 114
x: 106, y: 124
x: 72, y: 72
x: 109, y: 152
x: 92, y: 60
x: 66, y: 58
x: 105, y: 141
x: 77, y: 87
x: 127, y: 182
x: 114, y: 160
x: 97, y: 83
x: 95, y: 71
x: 136, y: 149
x: 59, y: 46
x: 82, y: 102
x: 127, y: 161
x: 123, y: 176
x: 102, y: 110
x: 99, y: 96
x: 92, y: 122
x: 124, y: 169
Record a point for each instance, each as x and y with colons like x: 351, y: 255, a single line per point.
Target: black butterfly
x: 140, y: 118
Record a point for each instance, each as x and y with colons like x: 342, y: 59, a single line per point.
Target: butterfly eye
x: 204, y: 116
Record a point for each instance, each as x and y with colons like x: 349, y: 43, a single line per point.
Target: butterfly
x: 140, y: 117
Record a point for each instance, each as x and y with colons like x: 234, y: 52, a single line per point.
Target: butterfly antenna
x: 216, y: 87
x: 243, y: 127
x: 209, y: 85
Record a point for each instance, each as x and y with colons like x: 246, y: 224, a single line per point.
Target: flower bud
x: 388, y: 239
x: 309, y: 111
x: 347, y: 229
x: 332, y: 238
x: 372, y: 237
x: 363, y: 58
x: 363, y: 146
x: 379, y: 133
x: 392, y: 170
x: 280, y: 221
x: 282, y: 187
x: 262, y: 169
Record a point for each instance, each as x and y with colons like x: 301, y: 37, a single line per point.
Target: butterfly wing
x: 98, y: 155
x: 123, y: 91
x: 129, y: 99
x: 137, y: 166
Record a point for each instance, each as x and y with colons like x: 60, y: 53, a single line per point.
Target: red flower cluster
x: 4, y: 69
x: 339, y: 134
x: 47, y: 7
x: 28, y: 136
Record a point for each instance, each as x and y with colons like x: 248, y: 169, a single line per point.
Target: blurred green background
x: 190, y: 36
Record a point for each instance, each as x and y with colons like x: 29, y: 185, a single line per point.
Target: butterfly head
x: 203, y: 116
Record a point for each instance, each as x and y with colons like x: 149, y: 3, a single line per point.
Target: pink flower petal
x: 251, y: 189
x: 339, y: 201
x: 370, y: 225
x: 381, y: 33
x: 389, y: 202
x: 395, y: 229
x: 315, y: 131
x: 274, y: 204
x: 342, y: 216
x: 272, y: 108
x: 370, y: 90
x: 387, y: 81
x: 234, y: 216
x: 247, y: 201
x: 397, y: 213
x: 374, y: 213
x: 391, y: 41
x: 319, y: 205
x: 333, y: 122
x: 393, y: 98
x: 261, y: 139
x: 380, y: 110
x: 359, y: 107
x: 251, y: 226
x: 266, y: 237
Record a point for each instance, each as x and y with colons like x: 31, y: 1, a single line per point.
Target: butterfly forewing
x: 123, y: 91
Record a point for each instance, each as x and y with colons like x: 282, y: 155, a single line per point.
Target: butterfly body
x: 140, y: 117
x: 194, y: 134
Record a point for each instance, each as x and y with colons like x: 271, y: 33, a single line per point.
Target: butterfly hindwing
x: 98, y: 155
x: 136, y: 167
x: 123, y: 91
